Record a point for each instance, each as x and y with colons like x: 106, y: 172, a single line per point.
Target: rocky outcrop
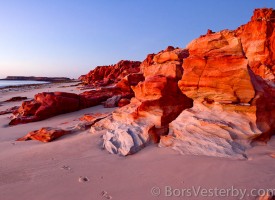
x: 233, y: 105
x: 105, y: 75
x: 221, y: 72
x: 217, y: 70
x: 45, y: 105
x: 157, y: 102
x: 49, y: 104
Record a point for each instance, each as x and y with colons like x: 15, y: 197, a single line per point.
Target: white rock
x: 213, y: 131
x: 122, y: 133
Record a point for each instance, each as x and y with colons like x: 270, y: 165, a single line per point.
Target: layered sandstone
x: 258, y: 42
x: 217, y: 70
x: 212, y: 130
x: 233, y: 103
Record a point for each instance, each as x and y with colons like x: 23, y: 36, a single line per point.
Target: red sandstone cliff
x: 229, y: 77
x: 105, y: 75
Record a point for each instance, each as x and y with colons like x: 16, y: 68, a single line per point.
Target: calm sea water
x: 4, y: 83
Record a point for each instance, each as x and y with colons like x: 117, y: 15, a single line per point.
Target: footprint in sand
x: 106, y: 195
x: 65, y: 167
x: 83, y: 179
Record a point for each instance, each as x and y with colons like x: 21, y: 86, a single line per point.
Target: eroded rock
x: 45, y: 134
x: 105, y: 75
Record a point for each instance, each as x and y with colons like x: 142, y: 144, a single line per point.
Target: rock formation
x: 45, y: 134
x: 213, y: 98
x: 49, y: 104
x: 232, y: 105
x: 217, y: 70
x: 230, y: 77
x: 105, y: 75
x: 158, y: 100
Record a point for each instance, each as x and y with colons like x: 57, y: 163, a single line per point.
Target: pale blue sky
x: 71, y: 37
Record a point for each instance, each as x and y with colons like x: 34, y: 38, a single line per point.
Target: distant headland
x: 34, y: 78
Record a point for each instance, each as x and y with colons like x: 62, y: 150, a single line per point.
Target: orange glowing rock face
x: 258, y: 42
x: 161, y: 99
x: 217, y: 69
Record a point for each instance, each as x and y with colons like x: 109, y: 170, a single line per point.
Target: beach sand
x: 75, y: 167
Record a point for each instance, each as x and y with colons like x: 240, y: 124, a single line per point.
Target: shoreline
x: 15, y: 88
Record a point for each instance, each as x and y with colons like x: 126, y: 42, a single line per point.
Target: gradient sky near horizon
x: 69, y: 38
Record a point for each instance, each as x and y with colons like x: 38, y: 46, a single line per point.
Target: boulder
x: 112, y: 102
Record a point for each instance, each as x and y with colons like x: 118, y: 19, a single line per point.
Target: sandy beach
x: 76, y: 167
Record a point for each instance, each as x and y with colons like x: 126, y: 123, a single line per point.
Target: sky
x: 71, y: 37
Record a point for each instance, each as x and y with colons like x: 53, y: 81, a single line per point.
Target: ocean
x: 5, y: 83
